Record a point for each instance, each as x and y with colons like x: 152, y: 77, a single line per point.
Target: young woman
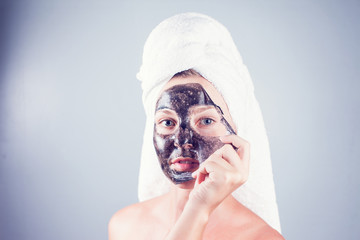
x: 198, y: 99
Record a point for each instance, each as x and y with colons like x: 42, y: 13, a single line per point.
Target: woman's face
x: 190, y: 116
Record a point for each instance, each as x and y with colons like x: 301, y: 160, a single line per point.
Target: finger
x: 207, y: 168
x: 199, y: 178
x: 234, y: 140
x: 240, y: 166
x: 218, y: 159
x: 243, y: 146
x: 228, y: 154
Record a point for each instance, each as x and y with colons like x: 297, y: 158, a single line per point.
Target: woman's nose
x: 184, y: 138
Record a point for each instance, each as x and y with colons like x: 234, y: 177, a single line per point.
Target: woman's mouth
x: 184, y: 164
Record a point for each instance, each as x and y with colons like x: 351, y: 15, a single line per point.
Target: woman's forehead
x: 184, y: 96
x: 215, y: 96
x: 187, y: 79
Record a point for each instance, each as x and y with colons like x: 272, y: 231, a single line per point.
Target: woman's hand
x: 217, y: 177
x: 223, y: 172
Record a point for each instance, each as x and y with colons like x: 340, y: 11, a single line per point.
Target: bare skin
x: 203, y: 208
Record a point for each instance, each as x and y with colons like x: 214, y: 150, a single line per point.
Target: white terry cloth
x: 195, y: 41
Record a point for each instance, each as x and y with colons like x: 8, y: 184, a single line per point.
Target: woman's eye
x: 167, y: 123
x: 206, y: 121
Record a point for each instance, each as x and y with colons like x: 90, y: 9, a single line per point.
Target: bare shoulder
x: 120, y: 224
x: 265, y: 232
x: 245, y: 224
x: 124, y: 224
x: 258, y: 229
x: 254, y: 230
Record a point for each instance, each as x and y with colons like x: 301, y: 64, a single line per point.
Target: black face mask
x: 185, y: 142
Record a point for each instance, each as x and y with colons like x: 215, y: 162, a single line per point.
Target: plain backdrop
x: 71, y: 117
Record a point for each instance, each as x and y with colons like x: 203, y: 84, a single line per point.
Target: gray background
x: 71, y: 117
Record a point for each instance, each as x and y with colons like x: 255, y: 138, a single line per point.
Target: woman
x: 198, y: 96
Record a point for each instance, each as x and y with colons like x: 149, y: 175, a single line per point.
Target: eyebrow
x: 200, y: 109
x: 165, y: 110
x: 161, y: 108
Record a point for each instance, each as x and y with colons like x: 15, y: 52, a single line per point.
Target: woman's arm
x: 191, y: 224
x: 222, y: 173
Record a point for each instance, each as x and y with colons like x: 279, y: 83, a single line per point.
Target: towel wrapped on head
x: 196, y: 41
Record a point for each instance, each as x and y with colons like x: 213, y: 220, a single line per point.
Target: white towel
x: 195, y: 41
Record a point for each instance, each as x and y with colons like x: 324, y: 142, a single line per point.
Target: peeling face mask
x: 186, y: 130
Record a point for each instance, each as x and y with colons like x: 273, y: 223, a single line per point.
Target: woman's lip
x: 182, y: 160
x: 184, y: 164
